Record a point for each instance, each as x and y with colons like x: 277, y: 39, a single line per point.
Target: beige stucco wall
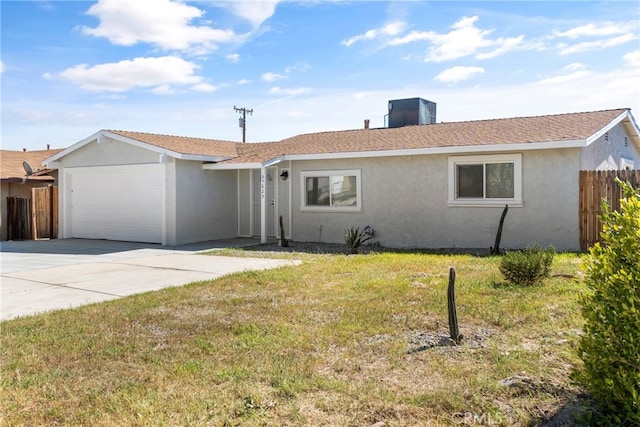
x: 405, y: 200
x: 606, y: 153
x: 206, y: 203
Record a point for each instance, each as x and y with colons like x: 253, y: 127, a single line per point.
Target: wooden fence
x: 18, y: 218
x: 34, y: 218
x: 594, y: 187
x: 45, y: 212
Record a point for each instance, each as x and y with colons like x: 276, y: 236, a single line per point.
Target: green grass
x: 323, y: 343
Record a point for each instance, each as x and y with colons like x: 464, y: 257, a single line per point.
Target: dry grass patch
x: 334, y: 341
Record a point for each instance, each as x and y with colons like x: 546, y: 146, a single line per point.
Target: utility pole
x: 243, y: 120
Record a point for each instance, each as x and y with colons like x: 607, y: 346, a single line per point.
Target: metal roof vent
x: 411, y: 111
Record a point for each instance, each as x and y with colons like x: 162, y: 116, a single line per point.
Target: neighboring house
x: 14, y: 181
x: 438, y: 185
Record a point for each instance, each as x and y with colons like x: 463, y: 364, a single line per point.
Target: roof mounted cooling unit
x: 411, y: 111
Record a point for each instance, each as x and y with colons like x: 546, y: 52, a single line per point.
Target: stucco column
x: 263, y: 205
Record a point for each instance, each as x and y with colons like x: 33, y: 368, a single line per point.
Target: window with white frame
x: 337, y: 190
x: 485, y: 180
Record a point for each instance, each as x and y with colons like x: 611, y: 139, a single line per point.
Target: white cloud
x: 233, y: 57
x: 603, y: 35
x: 633, y: 58
x: 1, y: 67
x: 575, y: 66
x: 289, y: 91
x: 464, y: 39
x: 128, y: 74
x: 390, y: 30
x: 204, y: 87
x: 566, y: 49
x: 300, y: 66
x: 575, y: 71
x: 163, y: 90
x: 255, y: 12
x: 504, y: 46
x: 163, y: 23
x: 244, y: 81
x: 594, y: 30
x: 272, y: 77
x: 458, y: 73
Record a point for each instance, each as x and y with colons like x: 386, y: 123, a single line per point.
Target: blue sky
x: 71, y: 68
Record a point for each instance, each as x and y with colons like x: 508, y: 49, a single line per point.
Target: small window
x: 331, y: 190
x: 489, y: 180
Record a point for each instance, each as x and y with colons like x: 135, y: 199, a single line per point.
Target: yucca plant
x: 355, y: 237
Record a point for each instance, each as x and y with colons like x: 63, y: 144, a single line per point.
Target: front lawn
x: 339, y: 340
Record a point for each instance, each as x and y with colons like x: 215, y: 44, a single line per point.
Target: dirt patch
x: 472, y: 338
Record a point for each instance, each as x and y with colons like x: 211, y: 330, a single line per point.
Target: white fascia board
x: 608, y: 127
x: 271, y: 162
x: 202, y: 158
x: 100, y: 135
x: 238, y: 166
x: 630, y: 124
x: 443, y: 150
x: 53, y: 159
x: 231, y: 166
x: 493, y: 148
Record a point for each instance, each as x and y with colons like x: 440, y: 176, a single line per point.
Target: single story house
x: 16, y: 182
x: 434, y: 185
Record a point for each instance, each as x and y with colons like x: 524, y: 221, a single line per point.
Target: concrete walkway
x: 38, y: 276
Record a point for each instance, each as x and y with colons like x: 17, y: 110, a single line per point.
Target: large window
x: 488, y: 180
x: 331, y: 190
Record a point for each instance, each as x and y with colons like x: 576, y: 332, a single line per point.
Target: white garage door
x: 115, y: 203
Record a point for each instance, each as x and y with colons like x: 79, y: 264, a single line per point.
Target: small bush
x: 527, y: 267
x: 354, y: 237
x: 610, y: 345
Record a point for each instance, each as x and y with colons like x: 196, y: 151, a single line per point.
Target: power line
x: 243, y: 120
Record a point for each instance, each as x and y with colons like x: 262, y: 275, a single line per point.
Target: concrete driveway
x: 45, y: 275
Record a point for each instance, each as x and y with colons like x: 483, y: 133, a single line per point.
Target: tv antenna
x: 243, y: 120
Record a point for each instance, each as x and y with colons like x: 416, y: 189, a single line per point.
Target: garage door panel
x: 117, y: 203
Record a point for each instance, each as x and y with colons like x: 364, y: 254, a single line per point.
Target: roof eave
x: 527, y: 146
x: 625, y: 117
x: 231, y: 166
x: 99, y: 136
x: 632, y: 128
x: 493, y: 148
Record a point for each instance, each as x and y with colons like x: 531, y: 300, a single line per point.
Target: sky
x: 71, y: 68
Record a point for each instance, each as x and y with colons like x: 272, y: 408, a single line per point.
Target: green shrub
x: 355, y: 237
x: 610, y: 345
x: 527, y: 267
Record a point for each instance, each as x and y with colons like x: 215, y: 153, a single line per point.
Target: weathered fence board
x: 45, y: 212
x: 594, y: 187
x: 18, y: 218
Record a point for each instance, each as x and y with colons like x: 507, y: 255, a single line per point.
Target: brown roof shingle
x: 184, y: 144
x: 540, y: 129
x: 11, y: 163
x: 518, y: 130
